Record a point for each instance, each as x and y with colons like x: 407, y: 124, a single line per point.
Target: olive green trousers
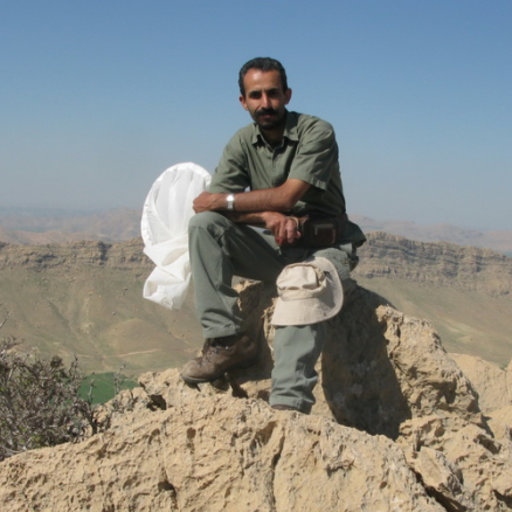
x: 221, y: 249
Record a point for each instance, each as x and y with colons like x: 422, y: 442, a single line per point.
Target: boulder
x: 214, y: 452
x: 493, y: 384
x: 396, y: 427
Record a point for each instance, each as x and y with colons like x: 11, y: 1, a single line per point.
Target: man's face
x: 264, y: 98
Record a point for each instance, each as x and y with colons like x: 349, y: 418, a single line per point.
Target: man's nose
x: 265, y: 100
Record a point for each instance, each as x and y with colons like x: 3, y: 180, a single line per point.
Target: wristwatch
x: 230, y: 198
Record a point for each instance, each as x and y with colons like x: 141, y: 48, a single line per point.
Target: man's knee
x: 206, y: 220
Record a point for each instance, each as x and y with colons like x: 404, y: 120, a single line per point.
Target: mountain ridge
x: 383, y: 255
x: 85, y: 298
x: 41, y: 226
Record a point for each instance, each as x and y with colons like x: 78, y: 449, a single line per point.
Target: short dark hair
x: 263, y: 64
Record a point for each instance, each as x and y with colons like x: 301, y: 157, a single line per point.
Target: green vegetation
x: 98, y: 388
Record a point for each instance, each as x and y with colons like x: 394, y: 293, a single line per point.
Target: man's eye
x: 255, y: 95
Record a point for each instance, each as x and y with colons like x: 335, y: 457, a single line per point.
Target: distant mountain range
x: 497, y: 240
x: 85, y: 298
x: 382, y: 372
x: 71, y: 282
x: 42, y: 226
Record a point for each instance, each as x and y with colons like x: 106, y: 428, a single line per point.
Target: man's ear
x: 288, y: 96
x: 243, y: 102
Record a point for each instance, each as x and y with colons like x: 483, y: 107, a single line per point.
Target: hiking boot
x: 220, y: 355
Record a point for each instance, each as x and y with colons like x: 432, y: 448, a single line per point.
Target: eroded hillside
x: 85, y: 298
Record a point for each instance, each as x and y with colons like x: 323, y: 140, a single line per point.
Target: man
x: 280, y: 173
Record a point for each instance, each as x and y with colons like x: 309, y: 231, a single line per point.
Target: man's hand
x: 259, y: 207
x: 206, y: 202
x: 285, y: 229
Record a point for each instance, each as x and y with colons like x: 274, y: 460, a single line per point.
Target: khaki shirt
x: 308, y: 152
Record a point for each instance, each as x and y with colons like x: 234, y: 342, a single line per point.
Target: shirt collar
x: 290, y: 129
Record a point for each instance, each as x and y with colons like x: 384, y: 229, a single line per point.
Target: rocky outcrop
x: 216, y: 453
x: 494, y: 388
x: 383, y: 255
x: 468, y: 268
x: 494, y: 384
x: 500, y: 240
x: 75, y: 254
x: 396, y: 427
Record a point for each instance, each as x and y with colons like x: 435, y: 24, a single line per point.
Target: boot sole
x: 201, y: 380
x: 198, y: 380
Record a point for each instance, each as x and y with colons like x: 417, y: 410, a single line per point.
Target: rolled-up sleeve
x: 316, y: 155
x: 231, y: 175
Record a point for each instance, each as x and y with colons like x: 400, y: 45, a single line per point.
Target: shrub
x: 39, y: 402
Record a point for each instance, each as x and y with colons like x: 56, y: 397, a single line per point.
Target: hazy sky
x: 99, y: 97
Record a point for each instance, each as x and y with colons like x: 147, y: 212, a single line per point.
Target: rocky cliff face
x: 383, y: 255
x: 76, y: 254
x: 397, y: 427
x: 443, y: 264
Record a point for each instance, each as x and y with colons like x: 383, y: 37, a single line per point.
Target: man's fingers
x: 285, y: 229
x: 288, y: 231
x: 295, y: 232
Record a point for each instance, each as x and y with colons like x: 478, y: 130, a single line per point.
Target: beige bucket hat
x: 309, y: 292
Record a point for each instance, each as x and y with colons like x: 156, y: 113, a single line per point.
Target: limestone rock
x: 396, y: 427
x: 500, y: 422
x: 216, y: 453
x: 440, y: 478
x: 493, y: 384
x: 469, y: 268
x: 475, y: 459
x: 379, y: 367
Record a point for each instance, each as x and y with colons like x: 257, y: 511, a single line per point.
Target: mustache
x: 266, y: 111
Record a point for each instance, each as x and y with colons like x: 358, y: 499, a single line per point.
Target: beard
x: 268, y: 118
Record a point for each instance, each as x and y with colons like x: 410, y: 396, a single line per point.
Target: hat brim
x: 293, y: 310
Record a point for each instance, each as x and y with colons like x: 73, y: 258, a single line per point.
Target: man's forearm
x: 270, y: 199
x: 286, y: 229
x: 277, y: 199
x: 253, y: 201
